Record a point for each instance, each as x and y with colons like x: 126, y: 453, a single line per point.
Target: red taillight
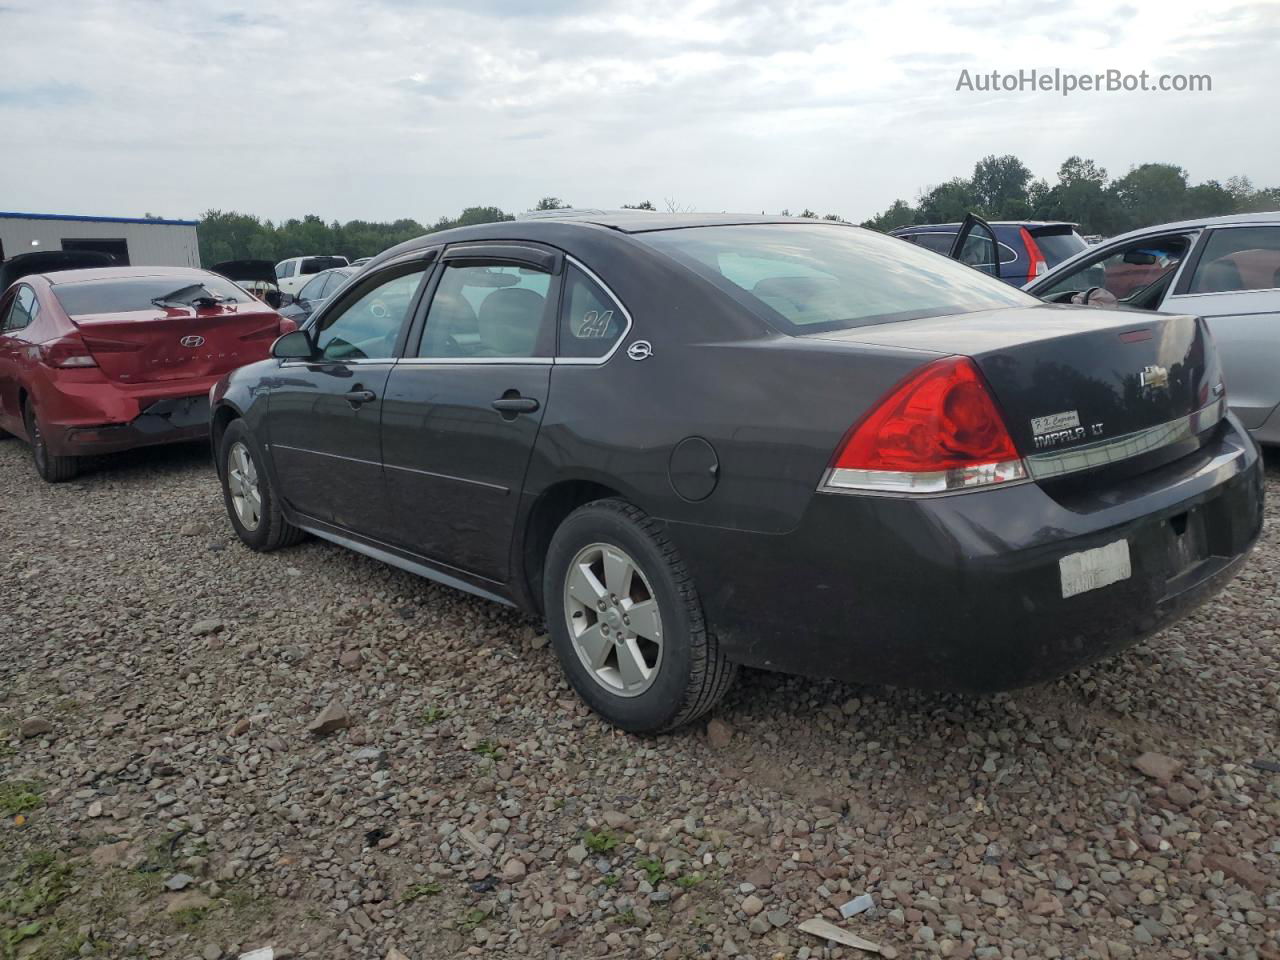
x: 287, y: 326
x: 67, y: 352
x: 1036, y: 264
x: 936, y: 431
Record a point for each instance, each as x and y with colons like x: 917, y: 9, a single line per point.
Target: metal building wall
x: 150, y: 244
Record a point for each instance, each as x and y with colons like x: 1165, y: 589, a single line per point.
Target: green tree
x: 899, y: 214
x: 642, y: 205
x: 1148, y: 194
x: 999, y: 187
x: 552, y: 203
x: 946, y: 203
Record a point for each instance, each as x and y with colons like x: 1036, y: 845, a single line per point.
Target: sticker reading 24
x: 594, y: 325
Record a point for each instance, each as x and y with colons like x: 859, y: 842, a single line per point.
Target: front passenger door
x: 463, y: 409
x: 975, y: 244
x: 323, y: 415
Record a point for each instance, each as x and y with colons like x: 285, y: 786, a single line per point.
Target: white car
x: 1225, y: 269
x: 291, y: 274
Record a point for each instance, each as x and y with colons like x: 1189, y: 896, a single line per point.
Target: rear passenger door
x: 464, y: 404
x: 1233, y: 281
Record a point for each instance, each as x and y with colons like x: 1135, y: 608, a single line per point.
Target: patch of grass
x: 654, y: 871
x: 687, y: 881
x: 601, y: 842
x: 433, y: 715
x: 420, y: 890
x: 471, y: 919
x: 27, y: 901
x: 626, y: 917
x: 188, y: 918
x: 610, y: 879
x: 18, y: 796
x: 486, y: 749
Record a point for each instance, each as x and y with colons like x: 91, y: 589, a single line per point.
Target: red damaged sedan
x: 100, y: 360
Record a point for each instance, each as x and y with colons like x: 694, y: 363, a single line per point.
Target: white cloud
x: 391, y: 108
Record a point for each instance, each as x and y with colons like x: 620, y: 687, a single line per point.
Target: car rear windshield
x: 1058, y: 246
x: 812, y: 278
x: 129, y: 294
x: 312, y: 265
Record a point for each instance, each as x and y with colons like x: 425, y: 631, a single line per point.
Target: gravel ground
x: 163, y: 796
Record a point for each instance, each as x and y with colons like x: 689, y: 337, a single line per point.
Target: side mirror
x: 294, y: 346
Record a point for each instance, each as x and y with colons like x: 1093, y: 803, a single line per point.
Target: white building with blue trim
x: 136, y: 241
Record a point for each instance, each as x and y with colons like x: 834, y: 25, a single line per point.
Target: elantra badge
x: 192, y: 342
x: 1154, y: 376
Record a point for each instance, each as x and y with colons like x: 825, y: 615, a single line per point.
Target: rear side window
x: 495, y: 311
x: 312, y: 265
x: 1239, y: 258
x: 25, y: 309
x: 131, y: 294
x: 591, y: 321
x: 284, y: 270
x: 937, y: 242
x: 804, y: 278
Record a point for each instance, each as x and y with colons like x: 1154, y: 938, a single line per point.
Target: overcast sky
x: 379, y: 109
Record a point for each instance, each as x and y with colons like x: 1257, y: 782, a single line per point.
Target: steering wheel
x: 378, y: 309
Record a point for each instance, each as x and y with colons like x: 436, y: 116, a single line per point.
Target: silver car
x: 1225, y: 269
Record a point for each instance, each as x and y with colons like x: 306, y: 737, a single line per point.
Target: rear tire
x: 53, y: 469
x: 626, y: 622
x: 251, y: 502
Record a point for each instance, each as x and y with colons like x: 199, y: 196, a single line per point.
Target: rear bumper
x: 171, y: 420
x: 965, y: 592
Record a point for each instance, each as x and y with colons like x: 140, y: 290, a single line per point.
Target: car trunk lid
x: 178, y: 342
x: 1079, y: 387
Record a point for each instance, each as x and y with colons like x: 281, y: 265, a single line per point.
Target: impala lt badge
x: 192, y: 342
x: 1154, y: 376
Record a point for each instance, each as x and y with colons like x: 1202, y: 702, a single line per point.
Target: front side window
x: 1239, y: 258
x: 284, y: 269
x: 591, y: 322
x: 493, y: 311
x: 811, y: 278
x: 332, y: 282
x: 367, y: 327
x: 25, y: 309
x: 1124, y: 271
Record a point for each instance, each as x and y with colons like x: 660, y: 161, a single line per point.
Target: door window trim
x: 1194, y: 235
x: 1182, y: 285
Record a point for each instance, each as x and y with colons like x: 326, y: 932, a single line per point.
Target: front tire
x: 53, y: 469
x: 626, y: 622
x: 251, y: 502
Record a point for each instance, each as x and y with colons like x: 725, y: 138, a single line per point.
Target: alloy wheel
x: 242, y: 482
x: 613, y: 619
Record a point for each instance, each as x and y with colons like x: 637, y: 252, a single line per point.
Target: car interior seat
x: 1220, y: 276
x: 509, y: 322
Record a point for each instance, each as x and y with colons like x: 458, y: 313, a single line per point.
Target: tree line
x: 1001, y: 188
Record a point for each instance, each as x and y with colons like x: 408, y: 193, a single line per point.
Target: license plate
x: 1092, y: 569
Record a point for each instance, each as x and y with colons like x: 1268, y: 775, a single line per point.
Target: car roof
x: 994, y: 223
x: 124, y: 273
x: 1237, y: 219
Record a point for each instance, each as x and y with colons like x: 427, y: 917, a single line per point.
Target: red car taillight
x: 1037, y: 264
x: 937, y: 431
x: 69, y: 351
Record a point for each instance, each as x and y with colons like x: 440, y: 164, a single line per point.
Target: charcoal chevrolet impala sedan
x: 693, y: 443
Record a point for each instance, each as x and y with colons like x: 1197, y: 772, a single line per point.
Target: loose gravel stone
x: 469, y: 806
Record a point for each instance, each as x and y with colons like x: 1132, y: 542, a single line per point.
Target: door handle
x: 357, y: 397
x: 513, y: 405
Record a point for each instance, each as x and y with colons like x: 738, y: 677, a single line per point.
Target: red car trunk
x: 173, y: 343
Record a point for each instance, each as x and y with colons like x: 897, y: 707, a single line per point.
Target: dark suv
x: 1028, y: 248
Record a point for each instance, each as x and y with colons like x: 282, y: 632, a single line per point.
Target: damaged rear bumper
x: 169, y: 420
